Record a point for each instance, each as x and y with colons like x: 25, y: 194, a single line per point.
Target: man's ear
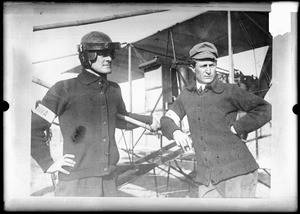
x: 192, y: 68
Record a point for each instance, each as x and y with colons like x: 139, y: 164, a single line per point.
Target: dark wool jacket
x: 220, y: 154
x: 87, y: 108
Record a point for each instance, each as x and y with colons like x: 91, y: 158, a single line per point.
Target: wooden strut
x: 137, y: 168
x: 96, y: 20
x: 121, y: 181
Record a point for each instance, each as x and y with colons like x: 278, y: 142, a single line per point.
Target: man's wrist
x: 176, y: 130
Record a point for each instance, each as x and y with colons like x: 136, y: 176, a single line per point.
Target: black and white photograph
x: 150, y: 106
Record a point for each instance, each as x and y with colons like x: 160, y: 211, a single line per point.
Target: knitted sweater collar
x: 216, y: 86
x: 87, y: 78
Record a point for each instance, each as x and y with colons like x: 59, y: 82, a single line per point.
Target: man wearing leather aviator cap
x: 87, y: 108
x: 225, y: 166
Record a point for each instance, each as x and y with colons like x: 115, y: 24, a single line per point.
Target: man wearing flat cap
x: 225, y: 166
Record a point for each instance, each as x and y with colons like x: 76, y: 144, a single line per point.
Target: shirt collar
x: 87, y: 77
x: 216, y: 86
x: 198, y: 84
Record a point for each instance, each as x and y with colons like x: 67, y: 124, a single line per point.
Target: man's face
x: 103, y: 63
x: 205, y: 70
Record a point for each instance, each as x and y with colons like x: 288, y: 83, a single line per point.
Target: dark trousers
x: 87, y: 187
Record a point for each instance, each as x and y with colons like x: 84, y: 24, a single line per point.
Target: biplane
x: 160, y: 58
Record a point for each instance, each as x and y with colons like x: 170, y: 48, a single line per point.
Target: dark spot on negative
x: 78, y: 134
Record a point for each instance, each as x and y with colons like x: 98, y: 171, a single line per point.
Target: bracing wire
x: 138, y: 55
x: 247, y: 37
x: 128, y: 153
x: 251, y: 43
x: 211, y: 24
x: 267, y: 33
x: 150, y: 114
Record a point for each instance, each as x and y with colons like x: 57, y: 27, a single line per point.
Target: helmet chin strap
x: 104, y: 76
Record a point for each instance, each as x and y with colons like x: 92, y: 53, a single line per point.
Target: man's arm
x: 170, y: 123
x: 258, y: 111
x: 42, y: 117
x: 40, y: 151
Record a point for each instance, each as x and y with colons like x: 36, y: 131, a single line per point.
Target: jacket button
x: 105, y: 123
x: 101, y: 92
x: 103, y: 106
x: 104, y: 139
x: 106, y: 153
x: 105, y: 169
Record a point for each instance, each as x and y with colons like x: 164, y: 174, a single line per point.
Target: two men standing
x: 87, y: 108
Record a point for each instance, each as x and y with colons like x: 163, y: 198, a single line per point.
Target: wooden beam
x: 255, y: 7
x: 41, y: 82
x: 95, y: 20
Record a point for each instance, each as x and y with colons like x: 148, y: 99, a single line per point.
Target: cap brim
x: 204, y: 56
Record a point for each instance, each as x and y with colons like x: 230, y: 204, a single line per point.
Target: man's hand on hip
x: 66, y: 160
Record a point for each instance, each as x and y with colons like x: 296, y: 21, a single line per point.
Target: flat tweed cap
x: 204, y: 50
